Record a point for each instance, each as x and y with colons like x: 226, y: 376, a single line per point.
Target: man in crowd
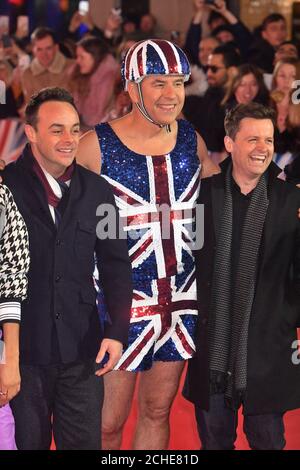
x: 49, y: 66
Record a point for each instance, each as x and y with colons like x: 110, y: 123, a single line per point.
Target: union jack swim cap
x: 154, y: 57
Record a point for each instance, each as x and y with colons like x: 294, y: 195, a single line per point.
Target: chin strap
x: 144, y: 112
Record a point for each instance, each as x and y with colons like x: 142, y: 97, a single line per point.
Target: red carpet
x: 184, y: 434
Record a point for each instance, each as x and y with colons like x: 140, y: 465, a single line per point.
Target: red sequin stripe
x: 169, y: 55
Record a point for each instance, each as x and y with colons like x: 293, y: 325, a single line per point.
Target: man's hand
x: 114, y: 349
x: 10, y: 381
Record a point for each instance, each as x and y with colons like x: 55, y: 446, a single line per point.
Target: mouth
x: 261, y: 159
x: 167, y: 107
x: 66, y: 151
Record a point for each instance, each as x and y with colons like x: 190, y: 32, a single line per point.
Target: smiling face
x: 285, y: 77
x: 55, y: 139
x: 163, y: 97
x: 247, y: 89
x: 44, y: 50
x: 252, y: 149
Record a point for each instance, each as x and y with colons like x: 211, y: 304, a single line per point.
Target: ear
x: 264, y: 35
x: 30, y: 133
x: 228, y: 142
x: 133, y: 92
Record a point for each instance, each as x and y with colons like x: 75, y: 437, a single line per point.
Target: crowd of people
x: 112, y: 103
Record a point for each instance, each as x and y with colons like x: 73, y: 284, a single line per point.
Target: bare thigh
x: 118, y: 394
x: 158, y: 387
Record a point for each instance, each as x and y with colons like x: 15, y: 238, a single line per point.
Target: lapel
x: 75, y: 195
x: 218, y: 195
x: 275, y: 204
x: 35, y: 199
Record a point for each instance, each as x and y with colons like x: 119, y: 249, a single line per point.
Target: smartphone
x: 209, y: 2
x: 6, y: 41
x: 83, y: 7
x: 23, y: 26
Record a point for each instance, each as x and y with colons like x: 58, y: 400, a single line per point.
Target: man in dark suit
x: 61, y: 388
x: 248, y: 275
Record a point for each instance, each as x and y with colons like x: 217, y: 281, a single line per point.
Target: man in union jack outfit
x: 153, y: 163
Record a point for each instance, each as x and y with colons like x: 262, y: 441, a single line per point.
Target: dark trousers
x: 217, y: 427
x: 65, y: 399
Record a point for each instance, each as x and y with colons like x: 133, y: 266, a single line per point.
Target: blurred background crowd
x: 80, y: 45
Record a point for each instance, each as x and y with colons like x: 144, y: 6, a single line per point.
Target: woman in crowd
x: 247, y: 85
x: 285, y: 73
x: 93, y: 79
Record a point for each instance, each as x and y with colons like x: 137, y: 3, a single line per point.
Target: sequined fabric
x: 164, y: 305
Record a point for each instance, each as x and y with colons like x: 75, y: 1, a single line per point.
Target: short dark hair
x: 230, y: 55
x: 42, y: 32
x: 243, y: 111
x: 41, y: 97
x: 273, y: 18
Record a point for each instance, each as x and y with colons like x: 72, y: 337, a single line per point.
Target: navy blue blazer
x: 60, y: 311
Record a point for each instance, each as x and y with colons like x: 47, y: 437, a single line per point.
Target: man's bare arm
x: 208, y: 167
x: 89, y: 154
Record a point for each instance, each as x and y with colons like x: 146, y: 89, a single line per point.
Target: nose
x: 169, y: 91
x: 67, y: 137
x: 261, y: 146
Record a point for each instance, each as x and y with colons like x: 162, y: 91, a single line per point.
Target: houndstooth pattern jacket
x: 14, y: 258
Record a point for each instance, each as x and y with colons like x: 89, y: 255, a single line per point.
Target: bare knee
x: 155, y: 411
x: 112, y: 425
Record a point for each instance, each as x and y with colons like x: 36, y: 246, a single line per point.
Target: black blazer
x: 273, y: 381
x: 60, y: 307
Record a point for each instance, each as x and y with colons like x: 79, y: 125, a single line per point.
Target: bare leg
x: 157, y: 390
x: 118, y: 394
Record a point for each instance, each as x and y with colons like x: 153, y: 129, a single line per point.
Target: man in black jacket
x: 60, y: 332
x: 248, y: 275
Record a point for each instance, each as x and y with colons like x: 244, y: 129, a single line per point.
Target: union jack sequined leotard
x: 164, y: 308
